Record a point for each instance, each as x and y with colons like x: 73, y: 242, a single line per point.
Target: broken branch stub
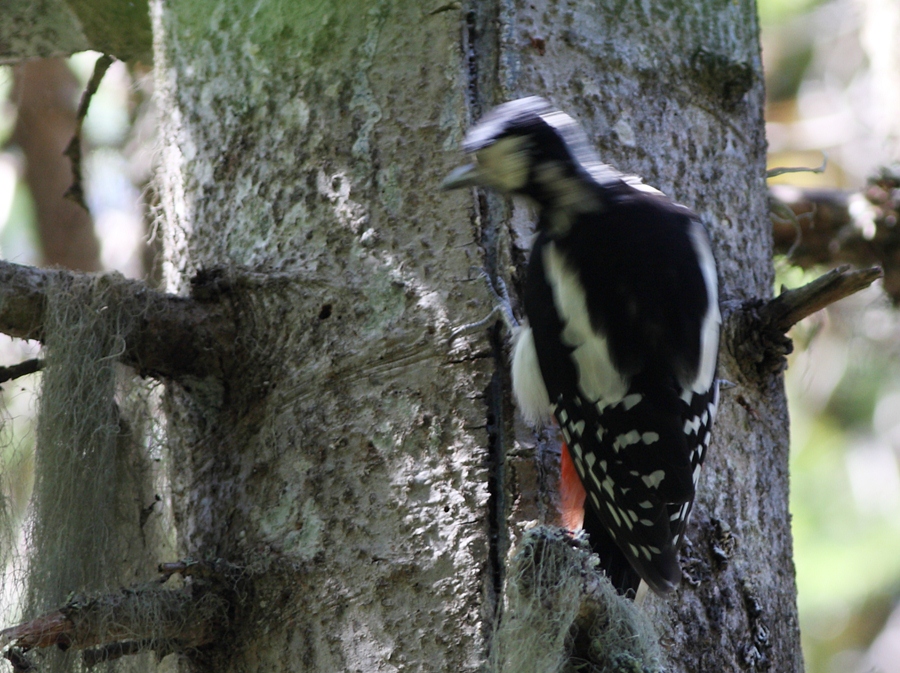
x: 760, y: 343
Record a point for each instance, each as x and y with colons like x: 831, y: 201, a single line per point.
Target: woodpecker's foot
x: 502, y: 308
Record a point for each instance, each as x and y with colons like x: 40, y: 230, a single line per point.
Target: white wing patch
x: 692, y: 427
x: 631, y: 400
x: 654, y: 479
x: 528, y: 384
x: 709, y: 331
x: 597, y: 377
x: 631, y: 437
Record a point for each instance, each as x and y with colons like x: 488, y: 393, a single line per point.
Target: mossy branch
x: 133, y: 620
x: 147, y: 613
x: 759, y: 329
x: 558, y: 610
x: 176, y: 337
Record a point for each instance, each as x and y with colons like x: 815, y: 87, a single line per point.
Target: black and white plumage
x: 621, y: 346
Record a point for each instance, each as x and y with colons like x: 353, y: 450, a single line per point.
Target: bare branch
x: 22, y: 369
x: 758, y: 330
x: 792, y: 306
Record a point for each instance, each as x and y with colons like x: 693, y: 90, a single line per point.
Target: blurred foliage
x: 7, y: 114
x: 18, y: 237
x: 843, y: 383
x: 844, y: 393
x: 776, y: 11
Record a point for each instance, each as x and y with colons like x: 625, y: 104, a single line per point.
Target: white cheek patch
x: 504, y: 165
x: 528, y: 384
x: 597, y: 377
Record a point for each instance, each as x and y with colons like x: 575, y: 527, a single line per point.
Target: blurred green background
x: 833, y: 83
x: 833, y: 87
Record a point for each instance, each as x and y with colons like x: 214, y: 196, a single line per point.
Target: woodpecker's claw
x: 502, y: 308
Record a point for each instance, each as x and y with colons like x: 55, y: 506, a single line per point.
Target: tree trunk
x: 368, y: 476
x: 345, y: 459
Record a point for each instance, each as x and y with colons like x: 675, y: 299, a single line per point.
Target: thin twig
x: 22, y: 369
x: 782, y: 170
x: 75, y: 192
x: 792, y: 306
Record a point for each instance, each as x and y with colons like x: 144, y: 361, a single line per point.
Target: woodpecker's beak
x: 464, y: 176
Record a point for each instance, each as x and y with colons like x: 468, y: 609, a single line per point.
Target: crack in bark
x: 486, y: 217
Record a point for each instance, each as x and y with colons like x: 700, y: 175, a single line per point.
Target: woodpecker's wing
x: 639, y: 470
x: 626, y: 341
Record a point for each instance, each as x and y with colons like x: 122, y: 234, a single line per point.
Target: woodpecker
x: 622, y: 333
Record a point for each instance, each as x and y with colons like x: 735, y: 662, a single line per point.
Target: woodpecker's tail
x: 613, y: 562
x: 575, y: 515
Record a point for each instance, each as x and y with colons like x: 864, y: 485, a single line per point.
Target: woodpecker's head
x: 527, y: 147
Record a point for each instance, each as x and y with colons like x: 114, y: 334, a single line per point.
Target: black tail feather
x: 613, y: 562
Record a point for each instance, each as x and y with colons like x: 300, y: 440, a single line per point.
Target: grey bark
x: 367, y: 476
x: 346, y: 463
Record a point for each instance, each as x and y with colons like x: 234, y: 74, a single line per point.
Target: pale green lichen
x: 95, y: 520
x: 560, y: 614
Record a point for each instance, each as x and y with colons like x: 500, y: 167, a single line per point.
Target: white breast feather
x: 528, y: 384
